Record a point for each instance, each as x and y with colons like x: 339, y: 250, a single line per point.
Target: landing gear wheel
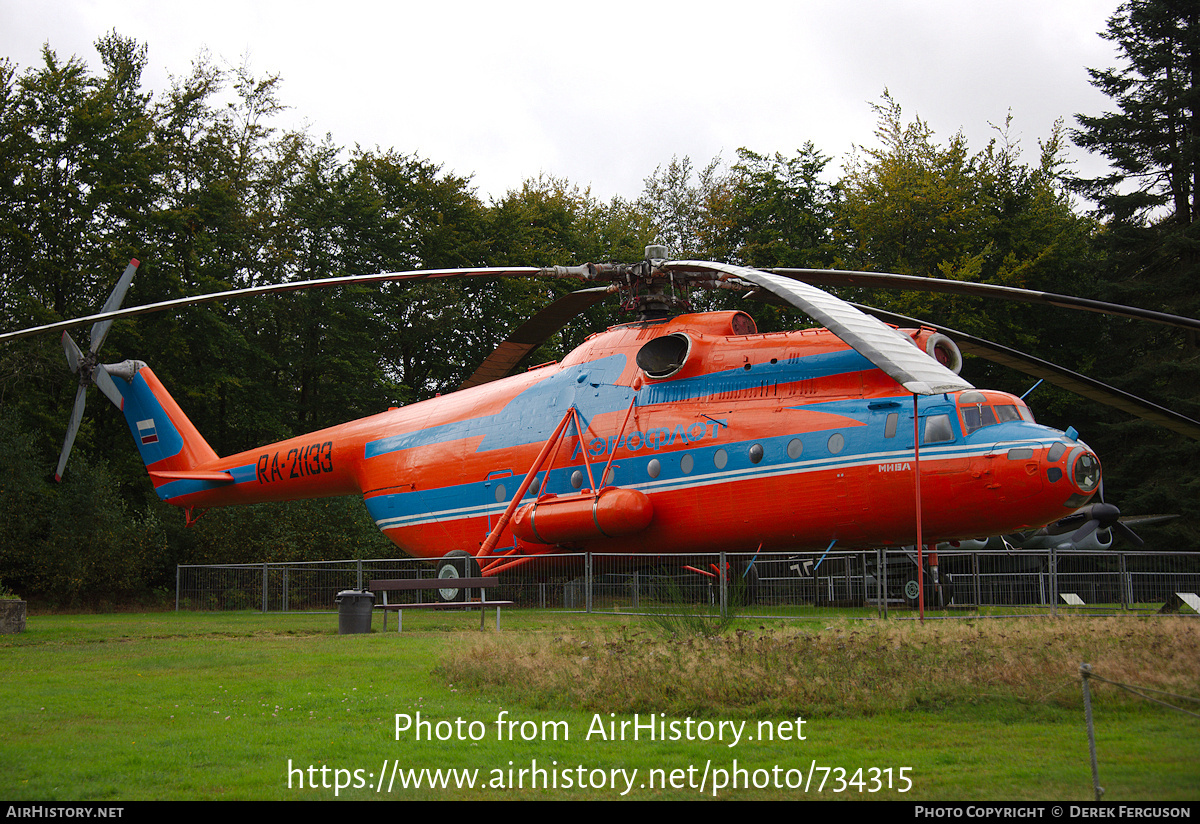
x: 912, y: 592
x: 932, y: 601
x: 456, y: 563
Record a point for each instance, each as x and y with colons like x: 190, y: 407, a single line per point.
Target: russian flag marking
x: 147, y: 431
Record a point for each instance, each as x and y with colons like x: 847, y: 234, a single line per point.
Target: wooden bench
x: 386, y: 585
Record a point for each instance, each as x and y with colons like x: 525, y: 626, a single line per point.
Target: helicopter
x: 675, y: 433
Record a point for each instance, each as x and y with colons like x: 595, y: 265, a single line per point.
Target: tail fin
x: 169, y: 443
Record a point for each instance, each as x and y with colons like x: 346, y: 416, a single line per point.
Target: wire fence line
x: 1086, y: 673
x: 870, y: 583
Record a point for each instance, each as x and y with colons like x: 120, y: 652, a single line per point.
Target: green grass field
x: 245, y: 706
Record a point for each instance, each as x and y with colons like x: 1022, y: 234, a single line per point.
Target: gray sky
x: 602, y: 94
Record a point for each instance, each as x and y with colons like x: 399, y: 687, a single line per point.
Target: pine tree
x: 1153, y: 141
x: 1150, y: 208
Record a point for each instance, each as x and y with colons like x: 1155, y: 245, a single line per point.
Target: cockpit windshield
x: 979, y: 410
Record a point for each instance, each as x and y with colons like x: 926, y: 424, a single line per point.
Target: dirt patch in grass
x: 845, y: 668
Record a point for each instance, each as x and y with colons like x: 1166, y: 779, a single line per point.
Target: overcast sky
x: 603, y: 93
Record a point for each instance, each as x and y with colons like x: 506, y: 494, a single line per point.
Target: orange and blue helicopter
x: 676, y: 433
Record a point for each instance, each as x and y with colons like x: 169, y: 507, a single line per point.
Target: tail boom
x: 187, y: 472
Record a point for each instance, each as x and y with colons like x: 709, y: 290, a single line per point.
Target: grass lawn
x: 244, y: 706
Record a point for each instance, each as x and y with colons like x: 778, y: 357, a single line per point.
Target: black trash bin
x: 354, y: 611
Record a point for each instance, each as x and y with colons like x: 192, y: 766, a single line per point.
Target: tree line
x: 202, y: 186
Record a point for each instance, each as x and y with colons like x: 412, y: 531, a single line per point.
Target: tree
x: 1153, y: 140
x: 774, y: 211
x: 1150, y: 206
x: 677, y: 199
x: 910, y: 205
x: 75, y: 191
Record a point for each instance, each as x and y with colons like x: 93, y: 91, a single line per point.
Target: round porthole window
x: 756, y: 453
x: 795, y: 448
x: 686, y: 464
x: 577, y: 479
x: 653, y: 468
x: 836, y: 443
x: 720, y: 458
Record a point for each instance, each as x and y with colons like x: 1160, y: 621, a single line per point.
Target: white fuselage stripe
x: 929, y: 454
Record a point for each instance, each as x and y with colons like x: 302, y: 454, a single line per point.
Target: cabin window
x: 756, y: 453
x: 653, y: 468
x: 795, y: 448
x: 938, y: 429
x: 686, y: 464
x: 720, y: 458
x: 889, y: 428
x: 500, y: 493
x: 836, y: 443
x: 577, y: 479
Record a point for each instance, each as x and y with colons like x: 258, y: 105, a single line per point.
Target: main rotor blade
x: 72, y: 429
x: 884, y: 280
x: 100, y: 328
x: 1058, y: 375
x: 293, y: 286
x: 533, y: 333
x: 883, y: 346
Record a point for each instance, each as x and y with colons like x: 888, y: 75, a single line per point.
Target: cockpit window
x: 977, y: 417
x: 977, y: 412
x: 1007, y: 412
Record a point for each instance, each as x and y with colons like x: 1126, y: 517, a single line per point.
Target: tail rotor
x: 88, y: 367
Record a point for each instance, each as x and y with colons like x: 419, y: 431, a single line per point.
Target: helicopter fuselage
x: 721, y: 438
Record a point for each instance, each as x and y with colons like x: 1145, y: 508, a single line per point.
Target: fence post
x: 862, y: 556
x: 1126, y: 603
x: 883, y: 587
x: 976, y: 584
x: 724, y: 586
x: 1054, y: 582
x: 587, y: 582
x: 1085, y: 671
x: 264, y: 588
x: 360, y: 578
x: 177, y: 587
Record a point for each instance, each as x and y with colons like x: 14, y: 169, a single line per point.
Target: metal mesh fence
x: 866, y: 583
